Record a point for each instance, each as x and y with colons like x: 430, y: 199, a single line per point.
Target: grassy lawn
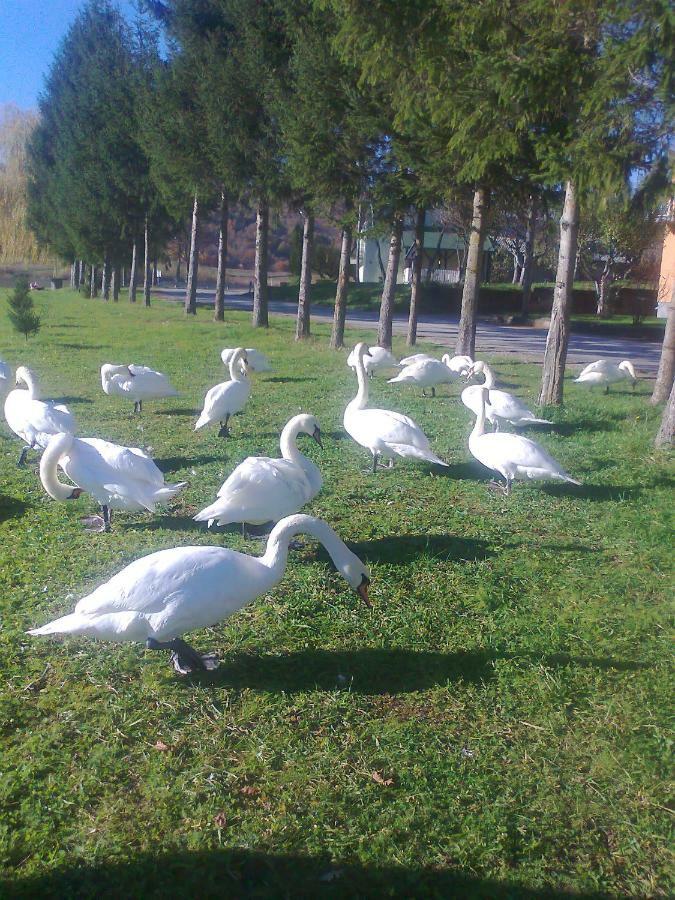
x: 495, y: 727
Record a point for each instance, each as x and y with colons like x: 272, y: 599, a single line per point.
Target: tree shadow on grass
x: 594, y: 492
x: 403, y: 549
x: 11, y: 507
x: 281, y: 379
x: 169, y: 463
x: 81, y: 346
x: 163, y: 523
x: 72, y: 400
x: 463, y: 471
x: 242, y: 873
x: 568, y: 429
x: 178, y: 411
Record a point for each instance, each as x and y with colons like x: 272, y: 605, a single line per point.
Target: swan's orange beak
x: 362, y: 591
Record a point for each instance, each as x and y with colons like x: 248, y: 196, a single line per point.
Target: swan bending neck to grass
x: 381, y: 431
x: 117, y: 477
x: 502, y: 406
x: 606, y: 372
x: 514, y: 457
x: 262, y: 489
x: 158, y: 598
x: 32, y: 419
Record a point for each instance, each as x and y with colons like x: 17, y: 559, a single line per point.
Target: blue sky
x: 30, y: 32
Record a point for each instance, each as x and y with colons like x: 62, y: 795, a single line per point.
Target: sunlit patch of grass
x: 495, y: 726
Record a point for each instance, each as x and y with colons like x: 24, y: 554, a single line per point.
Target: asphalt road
x: 526, y: 343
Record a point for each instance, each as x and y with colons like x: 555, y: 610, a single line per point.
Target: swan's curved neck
x: 276, y: 554
x: 288, y: 445
x: 29, y: 380
x: 235, y: 369
x: 58, y: 445
x: 361, y: 399
x: 479, y: 427
x: 489, y: 375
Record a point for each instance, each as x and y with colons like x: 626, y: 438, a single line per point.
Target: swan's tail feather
x: 201, y: 421
x: 165, y: 493
x: 215, y: 512
x: 397, y: 378
x: 533, y: 420
x: 110, y: 626
x: 75, y: 623
x: 407, y: 450
x: 566, y: 477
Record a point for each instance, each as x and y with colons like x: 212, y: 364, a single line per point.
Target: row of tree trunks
x: 466, y: 331
x: 219, y: 307
x: 191, y: 288
x: 384, y: 329
x: 557, y: 340
x: 416, y: 277
x: 260, y: 301
x: 337, y: 337
x: 302, y: 325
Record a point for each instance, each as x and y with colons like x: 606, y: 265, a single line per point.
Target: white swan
x: 229, y: 397
x: 426, y: 373
x: 605, y: 371
x: 381, y: 431
x: 257, y: 361
x: 380, y: 358
x: 5, y: 378
x: 32, y: 419
x: 160, y: 597
x: 458, y: 364
x: 117, y: 477
x: 416, y: 357
x: 512, y: 456
x: 502, y: 406
x: 137, y: 383
x: 265, y: 490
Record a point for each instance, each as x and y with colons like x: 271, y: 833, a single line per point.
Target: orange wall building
x: 666, y: 291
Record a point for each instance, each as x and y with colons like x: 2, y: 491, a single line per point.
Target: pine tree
x: 21, y: 313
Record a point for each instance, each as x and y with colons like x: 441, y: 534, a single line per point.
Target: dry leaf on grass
x: 219, y: 820
x: 248, y: 790
x: 160, y: 745
x: 378, y: 778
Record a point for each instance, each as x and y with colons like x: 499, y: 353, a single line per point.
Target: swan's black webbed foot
x: 223, y: 431
x: 185, y: 658
x: 22, y: 458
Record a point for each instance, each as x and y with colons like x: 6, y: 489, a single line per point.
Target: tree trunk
x: 528, y: 256
x: 193, y: 265
x: 558, y: 333
x: 146, y: 267
x: 93, y: 287
x: 81, y: 278
x: 604, y: 288
x: 466, y: 332
x: 517, y: 268
x: 123, y: 278
x: 260, y: 314
x: 115, y: 283
x: 416, y: 277
x: 133, y: 274
x: 178, y: 262
x: 664, y: 437
x: 105, y: 278
x: 337, y: 337
x: 219, y: 310
x: 664, y: 379
x: 389, y: 289
x: 73, y: 276
x: 304, y: 294
x: 154, y: 273
x: 357, y: 275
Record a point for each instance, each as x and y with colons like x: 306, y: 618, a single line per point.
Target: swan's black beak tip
x: 316, y: 434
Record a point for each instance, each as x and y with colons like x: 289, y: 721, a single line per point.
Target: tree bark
x: 604, y: 287
x: 219, y: 308
x: 81, y: 278
x: 178, y: 263
x: 416, y: 277
x: 73, y: 267
x: 664, y: 437
x: 146, y: 266
x: 115, y: 283
x: 528, y: 256
x: 302, y: 325
x: 389, y: 289
x: 133, y: 274
x: 154, y: 273
x: 337, y: 337
x: 260, y: 313
x: 105, y: 278
x: 193, y: 266
x: 466, y: 331
x: 666, y: 373
x: 357, y: 275
x: 93, y: 287
x: 558, y: 333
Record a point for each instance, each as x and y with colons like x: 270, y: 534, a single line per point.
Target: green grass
x: 512, y: 680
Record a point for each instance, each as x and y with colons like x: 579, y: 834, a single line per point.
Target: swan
x: 416, y: 357
x: 605, y: 371
x: 380, y: 358
x: 5, y: 378
x: 229, y: 397
x: 160, y: 597
x: 265, y: 490
x: 502, y: 406
x: 381, y: 431
x: 32, y: 419
x: 458, y: 364
x: 257, y: 361
x: 514, y: 457
x: 117, y: 477
x: 426, y: 373
x: 138, y: 383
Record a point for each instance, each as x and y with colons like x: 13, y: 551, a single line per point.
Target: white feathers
x: 606, y: 372
x: 137, y: 383
x: 257, y: 361
x: 34, y: 420
x: 229, y: 397
x: 501, y: 406
x: 378, y: 358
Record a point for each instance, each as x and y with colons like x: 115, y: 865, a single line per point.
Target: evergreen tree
x: 21, y: 313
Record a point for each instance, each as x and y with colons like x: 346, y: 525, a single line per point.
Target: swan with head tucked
x: 514, y: 457
x: 426, y: 373
x: 381, y: 431
x: 606, y: 372
x: 229, y: 397
x: 158, y: 598
x: 458, y: 364
x: 502, y: 406
x: 137, y: 383
x: 257, y: 361
x: 32, y: 419
x: 262, y: 489
x: 117, y: 477
x: 379, y: 358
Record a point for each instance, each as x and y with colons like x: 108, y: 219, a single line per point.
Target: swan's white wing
x: 226, y: 397
x: 416, y: 357
x: 131, y: 462
x: 149, y: 383
x: 371, y: 426
x: 508, y: 406
x: 260, y: 490
x: 517, y: 451
x: 600, y: 365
